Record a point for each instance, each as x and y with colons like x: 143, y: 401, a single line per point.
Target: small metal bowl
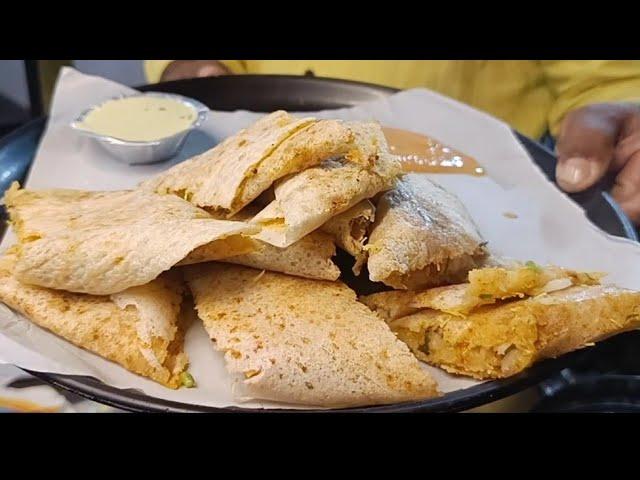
x: 136, y: 153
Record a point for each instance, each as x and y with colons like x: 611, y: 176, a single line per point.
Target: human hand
x: 597, y: 139
x: 181, y: 69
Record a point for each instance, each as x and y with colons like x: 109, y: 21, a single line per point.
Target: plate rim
x: 463, y: 399
x: 458, y: 400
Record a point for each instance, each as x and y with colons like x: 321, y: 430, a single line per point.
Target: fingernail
x: 577, y: 173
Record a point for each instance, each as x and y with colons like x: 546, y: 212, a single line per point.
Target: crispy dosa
x: 423, y: 237
x: 486, y: 286
x: 228, y: 177
x: 528, y: 279
x: 140, y: 329
x: 309, y: 257
x: 497, y: 341
x: 105, y: 242
x: 303, y: 341
x: 349, y: 231
x: 305, y: 201
x: 390, y: 305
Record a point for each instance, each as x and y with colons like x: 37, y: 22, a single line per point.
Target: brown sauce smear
x: 420, y: 153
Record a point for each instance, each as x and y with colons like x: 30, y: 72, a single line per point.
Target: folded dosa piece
x: 391, y: 305
x: 486, y: 286
x: 105, y: 242
x: 349, y: 230
x: 307, y: 200
x: 422, y: 237
x: 226, y: 178
x: 497, y: 341
x: 309, y: 257
x: 303, y: 341
x: 141, y: 328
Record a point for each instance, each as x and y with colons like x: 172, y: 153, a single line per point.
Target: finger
x: 179, y: 70
x: 632, y: 208
x: 627, y: 185
x: 212, y: 68
x: 586, y: 145
x: 629, y: 142
x: 207, y: 71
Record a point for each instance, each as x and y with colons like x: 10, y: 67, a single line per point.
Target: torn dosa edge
x: 349, y: 229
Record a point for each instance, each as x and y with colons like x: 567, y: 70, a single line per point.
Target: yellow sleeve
x: 576, y: 83
x: 236, y: 66
x: 153, y: 69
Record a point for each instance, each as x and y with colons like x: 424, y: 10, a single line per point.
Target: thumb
x: 586, y: 145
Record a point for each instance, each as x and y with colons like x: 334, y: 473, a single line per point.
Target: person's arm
x: 167, y: 70
x: 596, y: 120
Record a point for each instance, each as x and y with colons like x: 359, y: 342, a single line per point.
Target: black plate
x: 265, y: 94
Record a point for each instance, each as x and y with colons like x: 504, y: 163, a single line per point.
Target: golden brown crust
x: 500, y: 340
x: 525, y: 280
x: 97, y: 324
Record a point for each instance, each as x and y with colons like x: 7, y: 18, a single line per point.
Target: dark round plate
x: 265, y: 94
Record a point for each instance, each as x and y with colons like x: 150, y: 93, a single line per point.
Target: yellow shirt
x: 530, y: 95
